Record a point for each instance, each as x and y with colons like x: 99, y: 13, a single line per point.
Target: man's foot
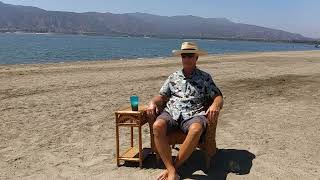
x: 173, y: 176
x: 163, y: 175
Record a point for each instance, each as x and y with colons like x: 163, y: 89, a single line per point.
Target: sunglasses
x: 185, y: 55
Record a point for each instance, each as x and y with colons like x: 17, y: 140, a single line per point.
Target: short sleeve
x: 212, y: 89
x: 165, y: 89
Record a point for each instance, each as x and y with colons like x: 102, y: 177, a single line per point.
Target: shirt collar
x: 193, y: 74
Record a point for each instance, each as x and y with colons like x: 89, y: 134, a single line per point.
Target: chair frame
x: 209, y: 146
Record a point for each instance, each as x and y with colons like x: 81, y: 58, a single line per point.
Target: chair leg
x: 157, y: 159
x: 207, y: 159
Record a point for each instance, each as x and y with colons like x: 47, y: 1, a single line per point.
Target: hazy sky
x: 298, y: 16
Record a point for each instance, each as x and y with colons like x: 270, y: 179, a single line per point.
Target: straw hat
x: 189, y: 47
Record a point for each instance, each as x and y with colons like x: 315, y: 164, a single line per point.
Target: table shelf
x: 132, y: 119
x: 132, y: 154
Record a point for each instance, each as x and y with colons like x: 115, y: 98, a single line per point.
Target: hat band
x: 188, y: 49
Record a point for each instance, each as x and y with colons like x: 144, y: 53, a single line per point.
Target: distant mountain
x: 15, y: 18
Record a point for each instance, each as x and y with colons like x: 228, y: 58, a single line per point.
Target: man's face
x: 189, y: 60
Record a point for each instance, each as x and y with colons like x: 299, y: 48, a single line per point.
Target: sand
x: 57, y: 120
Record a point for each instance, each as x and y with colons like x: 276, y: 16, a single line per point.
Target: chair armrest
x: 209, y: 144
x: 151, y: 120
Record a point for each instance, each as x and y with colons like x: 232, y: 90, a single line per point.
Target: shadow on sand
x: 224, y: 162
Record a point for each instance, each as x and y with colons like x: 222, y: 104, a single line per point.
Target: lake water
x: 53, y: 48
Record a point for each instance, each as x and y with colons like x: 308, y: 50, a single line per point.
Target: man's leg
x: 162, y: 144
x: 195, y: 128
x: 189, y: 144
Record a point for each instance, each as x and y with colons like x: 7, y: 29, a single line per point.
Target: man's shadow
x: 224, y: 162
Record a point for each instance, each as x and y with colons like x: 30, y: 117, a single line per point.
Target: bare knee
x: 195, y: 129
x: 159, y: 127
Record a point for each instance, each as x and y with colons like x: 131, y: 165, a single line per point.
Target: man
x: 185, y: 93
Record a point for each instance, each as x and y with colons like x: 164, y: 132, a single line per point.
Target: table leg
x: 131, y: 136
x: 117, y: 144
x: 151, y: 138
x: 140, y: 148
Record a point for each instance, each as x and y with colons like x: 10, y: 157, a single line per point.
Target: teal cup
x: 134, y: 100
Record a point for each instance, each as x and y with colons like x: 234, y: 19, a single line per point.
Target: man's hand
x: 152, y: 109
x: 213, y: 112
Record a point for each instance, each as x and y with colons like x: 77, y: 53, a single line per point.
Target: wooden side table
x: 132, y: 119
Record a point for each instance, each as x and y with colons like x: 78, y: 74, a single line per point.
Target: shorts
x: 183, y: 124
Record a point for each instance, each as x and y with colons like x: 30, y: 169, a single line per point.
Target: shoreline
x: 313, y: 41
x: 153, y: 58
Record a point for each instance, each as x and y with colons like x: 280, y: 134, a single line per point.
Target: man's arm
x: 214, y: 109
x: 155, y: 103
x: 218, y: 101
x: 159, y: 100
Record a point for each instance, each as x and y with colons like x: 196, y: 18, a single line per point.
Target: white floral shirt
x: 187, y: 96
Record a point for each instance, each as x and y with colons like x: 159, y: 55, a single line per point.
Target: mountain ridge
x: 15, y: 18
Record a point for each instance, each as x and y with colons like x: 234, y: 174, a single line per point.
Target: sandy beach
x: 57, y: 120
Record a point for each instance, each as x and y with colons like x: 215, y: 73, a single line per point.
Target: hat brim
x: 198, y: 52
